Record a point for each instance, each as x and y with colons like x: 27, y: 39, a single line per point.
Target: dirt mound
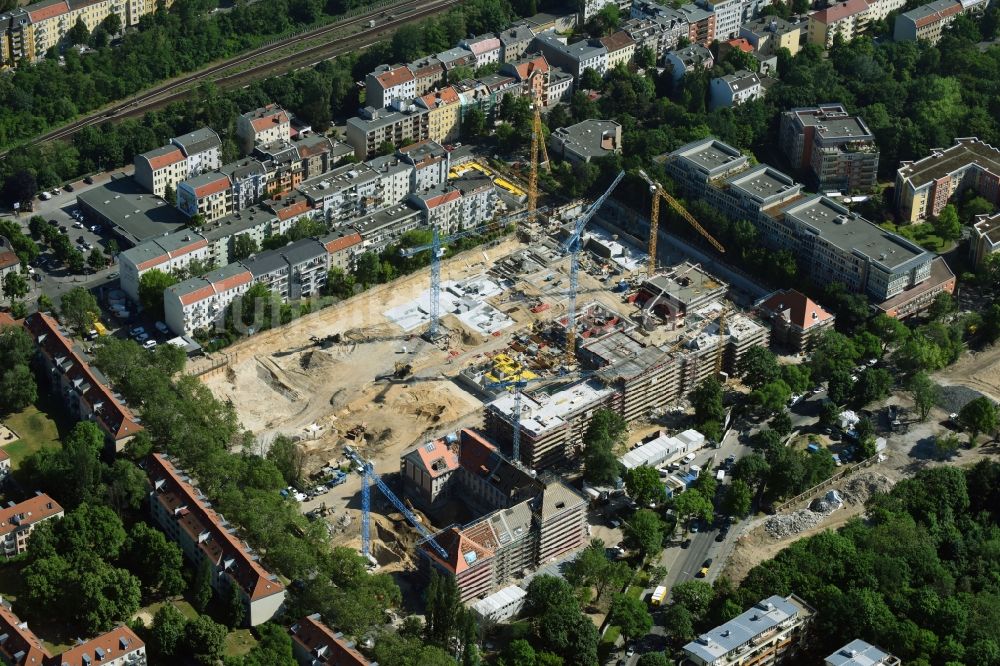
x: 855, y: 491
x: 858, y: 489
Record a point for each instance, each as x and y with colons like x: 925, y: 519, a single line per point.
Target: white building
x: 201, y: 302
x: 185, y: 156
x: 263, y: 126
x: 502, y: 605
x: 663, y: 450
x: 735, y: 89
x: 390, y: 84
x: 485, y: 48
x: 170, y: 254
x: 728, y: 16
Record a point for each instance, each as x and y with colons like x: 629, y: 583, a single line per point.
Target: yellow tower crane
x: 537, y: 146
x: 658, y: 193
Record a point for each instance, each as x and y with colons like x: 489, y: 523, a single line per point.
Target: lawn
x: 36, y: 430
x: 239, y: 642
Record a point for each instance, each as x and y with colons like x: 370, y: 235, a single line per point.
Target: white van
x: 689, y: 458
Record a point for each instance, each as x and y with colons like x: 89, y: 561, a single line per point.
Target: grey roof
x: 585, y: 138
x: 302, y: 251
x: 278, y: 152
x: 242, y: 169
x: 859, y: 653
x: 511, y: 524
x: 382, y: 118
x: 451, y: 56
x: 836, y: 225
x: 515, y: 34
x: 237, y: 223
x: 725, y: 638
x: 472, y: 182
x: 432, y: 192
x: 740, y: 80
x: 710, y: 154
x: 692, y: 54
x: 930, y: 9
x: 558, y: 498
x: 770, y: 24
x: 265, y: 263
x: 136, y: 214
x: 685, y: 283
x: 198, y: 141
x: 203, y: 179
x: 693, y: 13
x: 388, y: 163
x: 386, y: 217
x: 160, y: 151
x: 850, y: 128
x: 762, y: 183
x: 579, y: 51
x: 422, y: 150
x: 161, y: 246
x: 210, y: 278
x: 335, y: 180
x: 941, y: 163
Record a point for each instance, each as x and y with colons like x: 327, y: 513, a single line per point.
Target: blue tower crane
x: 436, y: 246
x: 572, y: 245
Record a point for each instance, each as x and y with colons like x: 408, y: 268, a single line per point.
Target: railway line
x: 399, y: 14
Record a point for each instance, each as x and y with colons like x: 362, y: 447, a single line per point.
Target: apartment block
x: 81, y: 388
x: 659, y: 34
x: 262, y: 126
x: 9, y: 261
x: 344, y: 193
x: 380, y: 229
x: 735, y: 89
x: 184, y: 157
x: 184, y: 513
x: 18, y: 521
x: 444, y: 114
x: 485, y: 49
x: 456, y: 57
x: 837, y: 149
x: 796, y: 320
x: 861, y: 653
x: 985, y: 238
x: 430, y: 164
x: 532, y: 72
x: 514, y: 42
x: 701, y: 24
x: 769, y: 633
x: 728, y: 16
x: 297, y: 270
x: 207, y: 194
x: 464, y: 203
x: 587, y: 140
x: 257, y: 223
x: 574, y: 58
x: 375, y: 127
x: 688, y: 59
x: 247, y: 183
x: 428, y: 74
x: 171, y: 253
x: 926, y: 186
x: 621, y: 49
x: 390, y: 86
x: 343, y: 246
x: 847, y: 19
x: 768, y: 34
x: 20, y: 645
x: 315, y: 644
x: 200, y: 303
x: 17, y: 41
x: 926, y: 22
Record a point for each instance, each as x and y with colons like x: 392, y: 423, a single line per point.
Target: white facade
x: 728, y: 16
x: 735, y: 89
x: 200, y: 303
x: 502, y: 605
x: 170, y: 254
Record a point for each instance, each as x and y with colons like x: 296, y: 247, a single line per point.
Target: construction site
x: 514, y: 361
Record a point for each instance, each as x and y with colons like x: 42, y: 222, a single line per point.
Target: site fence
x: 847, y: 471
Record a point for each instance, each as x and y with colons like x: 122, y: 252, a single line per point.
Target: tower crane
x: 658, y: 193
x: 368, y: 476
x: 436, y: 246
x: 572, y: 245
x: 537, y: 146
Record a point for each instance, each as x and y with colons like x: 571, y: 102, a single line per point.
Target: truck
x: 659, y: 596
x: 720, y: 475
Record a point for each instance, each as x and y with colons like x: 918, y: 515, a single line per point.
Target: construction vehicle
x: 368, y: 476
x: 658, y: 193
x: 573, y: 246
x: 436, y: 246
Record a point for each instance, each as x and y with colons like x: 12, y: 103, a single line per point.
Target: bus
x: 659, y: 596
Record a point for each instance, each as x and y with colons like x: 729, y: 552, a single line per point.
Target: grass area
x: 922, y: 234
x: 239, y: 642
x: 37, y: 430
x: 186, y: 609
x: 635, y: 592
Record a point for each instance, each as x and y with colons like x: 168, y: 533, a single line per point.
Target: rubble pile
x: 855, y: 490
x: 859, y: 488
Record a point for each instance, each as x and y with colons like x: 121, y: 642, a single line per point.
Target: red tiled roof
x: 179, y: 252
x: 185, y: 502
x: 840, y: 11
x: 4, y: 456
x: 617, y: 41
x: 343, y: 243
x: 485, y: 45
x: 526, y: 69
x: 49, y: 11
x: 317, y: 148
x: 938, y: 15
x: 442, y: 199
x: 441, y: 97
x: 394, y: 77
x: 278, y: 117
x: 796, y: 308
x: 296, y: 208
x: 114, y: 417
x: 475, y: 452
x: 115, y: 644
x: 212, y: 288
x: 7, y: 320
x: 30, y: 511
x: 21, y: 640
x: 326, y: 647
x: 219, y: 185
x: 462, y: 550
x: 741, y: 44
x: 160, y: 161
x: 8, y: 259
x: 437, y: 458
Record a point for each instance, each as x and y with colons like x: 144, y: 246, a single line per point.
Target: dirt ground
x: 979, y: 370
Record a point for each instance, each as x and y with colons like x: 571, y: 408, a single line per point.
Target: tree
x: 287, y: 456
x: 889, y: 330
x: 79, y: 309
x: 152, y: 284
x: 758, y: 366
x: 167, y: 632
x: 692, y: 503
x: 924, y: 392
x: 772, y: 396
x: 591, y: 80
x: 97, y: 260
x: 605, y: 431
x: 873, y: 384
x: 977, y: 417
x: 17, y: 389
x: 829, y: 414
x: 367, y: 269
x: 111, y: 249
x: 273, y: 649
x: 474, y: 123
x: 519, y: 653
x: 19, y: 187
x: 157, y: 562
x: 170, y: 195
x: 340, y: 283
x: 840, y: 387
x: 678, y: 622
x: 205, y: 639
x: 834, y: 352
x: 201, y: 587
x: 15, y: 287
x: 631, y: 616
x: 75, y: 261
x: 737, y: 500
x: 644, y: 532
x: 653, y: 659
x: 79, y: 33
x: 942, y: 306
x: 643, y: 485
x: 93, y: 529
x: 235, y: 608
x: 946, y: 224
x: 105, y: 595
x: 752, y: 470
x: 112, y: 23
x: 243, y: 246
x: 781, y: 423
x: 707, y: 402
x: 443, y: 610
x: 694, y: 595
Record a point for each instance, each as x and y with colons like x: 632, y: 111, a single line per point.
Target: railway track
x: 412, y: 10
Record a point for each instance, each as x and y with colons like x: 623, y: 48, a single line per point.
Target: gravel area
x: 953, y: 398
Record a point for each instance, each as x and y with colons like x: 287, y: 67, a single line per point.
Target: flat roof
x: 615, y: 347
x: 930, y: 9
x: 265, y: 263
x: 859, y: 653
x: 941, y: 163
x: 763, y: 182
x: 710, y: 154
x: 540, y: 412
x: 302, y: 250
x: 849, y: 232
x: 236, y: 223
x: 136, y: 214
x: 498, y: 600
x: 383, y: 118
x: 685, y: 282
x: 386, y: 217
x: 763, y: 616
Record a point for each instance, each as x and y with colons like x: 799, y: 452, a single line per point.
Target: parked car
x: 706, y: 565
x: 88, y: 180
x: 161, y: 327
x: 142, y: 338
x: 68, y: 187
x: 149, y: 344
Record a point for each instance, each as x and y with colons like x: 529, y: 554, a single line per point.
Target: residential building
x: 735, y: 89
x: 477, y: 204
x: 848, y: 19
x: 456, y: 57
x: 796, y: 320
x: 4, y: 456
x: 560, y: 87
x: 514, y: 42
x: 574, y: 58
x: 390, y: 85
x: 728, y: 16
x: 532, y: 72
x: 659, y: 34
x: 688, y: 59
x: 586, y: 140
x: 377, y: 126
x: 499, y: 85
x: 444, y: 114
x: 207, y: 194
x: 620, y: 47
x: 318, y: 154
x: 394, y: 177
x: 502, y: 605
x: 860, y: 653
x: 172, y: 253
x: 185, y: 156
x: 344, y: 193
x: 17, y: 42
x: 20, y: 646
x: 770, y: 33
x: 262, y: 126
x: 183, y: 512
x: 18, y: 521
x: 81, y: 388
x: 485, y: 49
x: 343, y: 247
x: 428, y: 74
x: 308, y: 263
x: 879, y: 10
x: 315, y: 644
x: 985, y: 238
x: 200, y: 303
x: 282, y: 164
x: 926, y: 22
x: 701, y: 24
x: 288, y: 211
x: 838, y: 149
x: 924, y: 187
x: 430, y: 164
x: 769, y: 633
x: 9, y: 261
x: 380, y: 229
x: 257, y: 223
x: 592, y: 8
x: 440, y: 206
x: 247, y: 182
